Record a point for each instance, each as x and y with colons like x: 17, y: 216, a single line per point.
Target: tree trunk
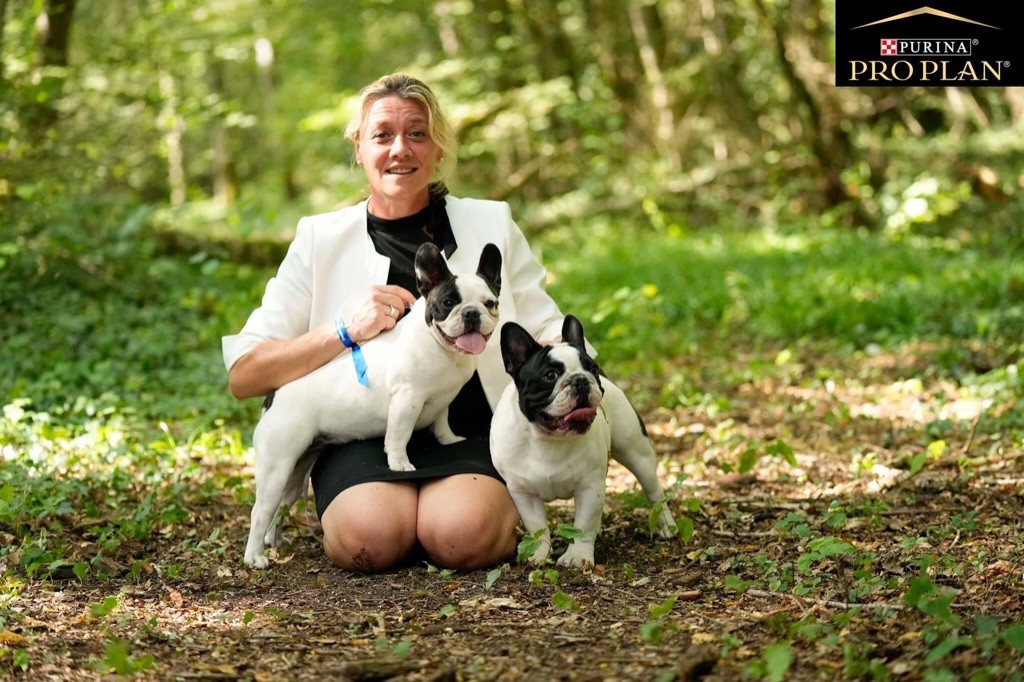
x: 446, y: 29
x: 225, y: 188
x: 54, y: 31
x: 830, y: 144
x: 661, y: 100
x: 612, y: 49
x: 3, y: 24
x: 176, y: 162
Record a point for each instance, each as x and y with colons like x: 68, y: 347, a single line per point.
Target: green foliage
x: 117, y: 659
x: 493, y: 575
x: 774, y: 662
x: 563, y: 602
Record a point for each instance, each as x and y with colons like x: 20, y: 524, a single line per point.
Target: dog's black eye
x: 491, y: 304
x: 448, y: 303
x: 551, y: 375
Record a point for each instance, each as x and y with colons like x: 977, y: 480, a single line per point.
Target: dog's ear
x: 572, y: 333
x: 431, y: 268
x: 489, y: 269
x: 517, y: 346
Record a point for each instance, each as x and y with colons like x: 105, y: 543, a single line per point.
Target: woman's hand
x: 378, y: 311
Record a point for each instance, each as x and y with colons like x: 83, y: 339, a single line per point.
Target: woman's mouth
x: 399, y: 171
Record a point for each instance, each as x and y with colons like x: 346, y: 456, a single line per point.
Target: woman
x: 357, y: 263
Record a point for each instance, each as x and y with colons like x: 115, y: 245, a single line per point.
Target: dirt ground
x: 708, y: 609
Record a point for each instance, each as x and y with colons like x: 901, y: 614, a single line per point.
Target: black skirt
x: 343, y: 465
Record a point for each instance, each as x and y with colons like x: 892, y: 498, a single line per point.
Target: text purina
x: 925, y: 70
x: 934, y: 47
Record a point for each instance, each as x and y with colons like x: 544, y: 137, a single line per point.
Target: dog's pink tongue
x: 473, y: 343
x: 584, y: 414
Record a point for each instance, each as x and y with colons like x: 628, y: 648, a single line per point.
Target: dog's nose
x: 580, y: 385
x: 471, y: 316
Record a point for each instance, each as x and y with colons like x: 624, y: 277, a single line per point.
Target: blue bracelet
x: 357, y: 353
x: 346, y: 340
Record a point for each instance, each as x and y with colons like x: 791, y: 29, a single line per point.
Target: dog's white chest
x: 551, y: 468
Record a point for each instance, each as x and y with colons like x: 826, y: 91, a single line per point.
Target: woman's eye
x: 551, y: 375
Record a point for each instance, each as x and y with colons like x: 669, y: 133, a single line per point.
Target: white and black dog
x: 413, y: 371
x: 553, y: 430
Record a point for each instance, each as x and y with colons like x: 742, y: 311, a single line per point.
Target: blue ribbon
x: 357, y: 353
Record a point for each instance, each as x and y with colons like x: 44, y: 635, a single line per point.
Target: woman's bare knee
x: 370, y: 527
x: 467, y: 521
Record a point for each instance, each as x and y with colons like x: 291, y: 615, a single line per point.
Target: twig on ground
x: 743, y: 534
x: 970, y: 437
x: 823, y: 602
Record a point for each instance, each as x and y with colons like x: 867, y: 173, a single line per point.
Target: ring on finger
x: 391, y: 310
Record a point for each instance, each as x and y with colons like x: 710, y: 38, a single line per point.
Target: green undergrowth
x: 118, y: 436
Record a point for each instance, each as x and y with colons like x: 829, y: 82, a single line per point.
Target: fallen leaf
x: 12, y: 638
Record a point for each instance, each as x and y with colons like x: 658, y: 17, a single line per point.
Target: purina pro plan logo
x: 943, y: 44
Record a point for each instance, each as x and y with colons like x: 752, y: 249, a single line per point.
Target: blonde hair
x: 412, y: 89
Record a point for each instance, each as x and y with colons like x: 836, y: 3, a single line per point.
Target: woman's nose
x: 400, y: 146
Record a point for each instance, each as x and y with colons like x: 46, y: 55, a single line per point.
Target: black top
x: 398, y: 240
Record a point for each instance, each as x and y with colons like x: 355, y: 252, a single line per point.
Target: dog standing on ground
x: 413, y: 371
x: 553, y: 430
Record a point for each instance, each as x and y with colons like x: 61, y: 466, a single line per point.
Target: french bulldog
x: 553, y: 430
x: 414, y: 372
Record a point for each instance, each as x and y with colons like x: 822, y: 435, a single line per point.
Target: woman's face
x: 398, y: 155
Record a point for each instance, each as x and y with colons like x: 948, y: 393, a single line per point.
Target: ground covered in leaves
x: 856, y: 522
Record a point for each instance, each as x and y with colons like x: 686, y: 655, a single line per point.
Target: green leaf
x: 936, y: 448
x: 446, y: 610
x: 917, y: 462
x: 938, y: 606
x: 777, y: 659
x: 651, y: 631
x: 568, y: 532
x: 940, y: 650
x: 21, y: 659
x: 985, y: 625
x: 830, y: 546
x: 563, y: 602
x: 247, y: 618
x: 748, y: 459
x: 401, y: 649
x: 529, y: 545
x: 493, y: 575
x: 781, y: 449
x: 1014, y: 637
x: 664, y: 607
x: 100, y: 610
x: 736, y: 584
x: 685, y: 527
x: 116, y: 658
x: 919, y: 587
x: 81, y: 569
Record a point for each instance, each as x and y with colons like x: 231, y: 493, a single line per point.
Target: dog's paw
x: 401, y: 466
x: 450, y: 439
x: 256, y: 560
x: 667, y: 528
x: 577, y: 556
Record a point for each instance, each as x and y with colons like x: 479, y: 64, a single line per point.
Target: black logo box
x: 990, y: 30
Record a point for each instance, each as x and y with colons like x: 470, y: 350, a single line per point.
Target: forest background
x: 757, y: 254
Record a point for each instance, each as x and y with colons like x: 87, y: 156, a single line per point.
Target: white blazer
x: 332, y: 262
